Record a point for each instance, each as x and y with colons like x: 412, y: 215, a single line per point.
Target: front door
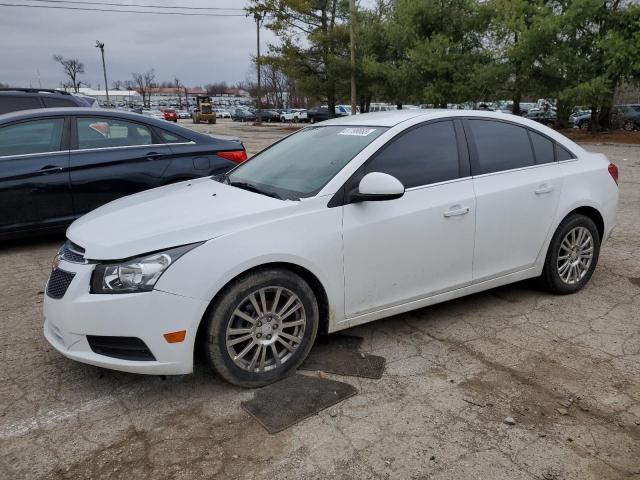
x: 34, y: 174
x: 421, y: 244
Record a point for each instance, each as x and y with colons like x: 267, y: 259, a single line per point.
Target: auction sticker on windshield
x: 357, y: 132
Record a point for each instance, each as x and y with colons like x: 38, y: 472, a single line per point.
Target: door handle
x: 456, y: 211
x: 544, y: 188
x: 153, y: 155
x: 50, y: 169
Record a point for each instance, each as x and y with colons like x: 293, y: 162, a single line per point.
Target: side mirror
x: 377, y: 186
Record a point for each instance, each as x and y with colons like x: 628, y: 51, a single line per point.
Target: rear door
x: 517, y: 183
x: 113, y: 157
x: 34, y: 174
x: 191, y: 159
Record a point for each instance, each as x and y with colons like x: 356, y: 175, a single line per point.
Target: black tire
x: 551, y: 278
x: 629, y: 126
x: 221, y: 314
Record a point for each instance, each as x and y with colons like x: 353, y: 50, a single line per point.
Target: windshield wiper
x: 221, y: 177
x: 252, y: 188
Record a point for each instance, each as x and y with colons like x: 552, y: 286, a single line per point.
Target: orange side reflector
x: 175, y: 337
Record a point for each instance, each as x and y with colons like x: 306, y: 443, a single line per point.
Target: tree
x: 216, y: 88
x: 144, y: 83
x: 314, y: 43
x: 424, y: 52
x: 598, y: 50
x: 521, y: 38
x: 72, y: 68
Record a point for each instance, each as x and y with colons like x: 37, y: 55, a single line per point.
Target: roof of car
x: 392, y: 118
x: 396, y: 117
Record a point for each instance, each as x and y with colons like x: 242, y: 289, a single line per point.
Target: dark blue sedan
x: 57, y: 164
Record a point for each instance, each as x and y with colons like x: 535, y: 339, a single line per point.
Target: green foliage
x: 439, y: 51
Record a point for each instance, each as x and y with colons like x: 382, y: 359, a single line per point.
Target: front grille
x: 58, y: 283
x: 124, y: 348
x: 72, y: 253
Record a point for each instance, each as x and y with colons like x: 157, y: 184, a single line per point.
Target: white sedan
x: 339, y: 224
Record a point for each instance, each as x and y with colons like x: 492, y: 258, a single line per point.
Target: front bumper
x: 146, y: 316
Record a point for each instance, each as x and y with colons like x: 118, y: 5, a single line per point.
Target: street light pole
x: 352, y: 17
x: 100, y: 45
x: 258, y: 19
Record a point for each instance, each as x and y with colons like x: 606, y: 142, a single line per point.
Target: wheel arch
x: 312, y: 280
x: 592, y: 213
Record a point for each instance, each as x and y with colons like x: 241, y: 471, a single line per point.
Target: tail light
x: 613, y: 171
x: 236, y: 156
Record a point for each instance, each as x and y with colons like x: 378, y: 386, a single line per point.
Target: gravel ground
x: 566, y: 370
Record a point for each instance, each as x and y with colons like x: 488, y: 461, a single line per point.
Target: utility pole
x: 100, y: 45
x: 258, y: 19
x: 352, y: 18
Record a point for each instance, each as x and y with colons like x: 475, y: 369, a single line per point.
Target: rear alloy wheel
x: 629, y: 126
x: 572, y: 255
x: 262, y: 328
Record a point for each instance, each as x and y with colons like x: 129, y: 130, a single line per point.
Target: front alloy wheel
x: 266, y: 329
x: 261, y: 327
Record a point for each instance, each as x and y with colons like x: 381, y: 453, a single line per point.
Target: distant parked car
x: 15, y: 99
x: 170, y: 114
x: 626, y: 116
x: 525, y: 107
x: 547, y: 118
x: 578, y: 113
x: 183, y: 114
x: 269, y: 115
x: 582, y: 120
x: 243, y: 115
x: 222, y: 113
x: 50, y: 176
x: 153, y: 114
x: 300, y: 115
x: 287, y: 115
x: 345, y: 110
x: 318, y: 114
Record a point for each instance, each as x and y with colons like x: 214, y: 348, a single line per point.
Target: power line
x: 124, y: 11
x: 137, y: 5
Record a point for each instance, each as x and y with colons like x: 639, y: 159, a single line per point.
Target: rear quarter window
x: 563, y: 154
x: 168, y: 137
x: 10, y: 103
x: 58, y: 102
x: 542, y: 148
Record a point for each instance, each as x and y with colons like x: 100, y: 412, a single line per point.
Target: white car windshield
x: 301, y: 164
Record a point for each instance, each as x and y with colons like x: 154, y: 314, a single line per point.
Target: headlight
x: 138, y: 274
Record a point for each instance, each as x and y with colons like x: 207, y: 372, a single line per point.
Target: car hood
x: 170, y: 216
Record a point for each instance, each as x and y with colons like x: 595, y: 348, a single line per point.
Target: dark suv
x: 14, y: 99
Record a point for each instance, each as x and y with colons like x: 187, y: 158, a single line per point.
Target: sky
x: 198, y: 49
